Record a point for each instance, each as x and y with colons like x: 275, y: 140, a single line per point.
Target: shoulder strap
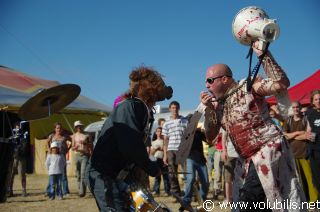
x: 288, y: 123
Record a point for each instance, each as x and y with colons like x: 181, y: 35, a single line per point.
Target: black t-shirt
x: 314, y: 120
x: 196, y: 152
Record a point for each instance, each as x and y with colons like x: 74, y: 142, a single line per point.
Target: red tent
x: 301, y: 91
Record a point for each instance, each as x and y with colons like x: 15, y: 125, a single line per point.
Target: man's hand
x: 165, y: 159
x: 208, y: 100
x: 256, y: 50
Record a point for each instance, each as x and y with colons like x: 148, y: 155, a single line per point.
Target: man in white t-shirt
x: 172, y: 131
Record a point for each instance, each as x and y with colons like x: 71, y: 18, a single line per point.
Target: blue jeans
x: 65, y: 187
x: 55, y: 185
x: 64, y: 179
x: 165, y: 176
x: 210, y: 165
x: 201, y: 168
x: 110, y: 195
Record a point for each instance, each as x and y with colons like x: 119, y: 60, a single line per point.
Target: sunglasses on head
x: 211, y: 80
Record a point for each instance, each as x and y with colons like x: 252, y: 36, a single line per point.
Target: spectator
x: 64, y: 145
x: 161, y: 121
x: 55, y: 164
x: 275, y: 117
x: 196, y: 163
x: 313, y: 115
x: 304, y: 110
x: 218, y: 166
x: 173, y: 130
x: 82, y: 146
x: 210, y: 164
x: 229, y: 157
x: 157, y: 152
x: 295, y: 131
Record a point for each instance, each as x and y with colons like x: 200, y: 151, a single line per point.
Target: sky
x: 97, y: 43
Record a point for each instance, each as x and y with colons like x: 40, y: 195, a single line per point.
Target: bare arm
x: 73, y: 143
x: 90, y: 145
x: 49, y: 142
x: 68, y: 142
x: 165, y: 149
x: 212, y: 118
x: 297, y: 135
x: 224, y: 154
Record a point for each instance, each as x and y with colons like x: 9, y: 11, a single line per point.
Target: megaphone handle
x: 262, y: 44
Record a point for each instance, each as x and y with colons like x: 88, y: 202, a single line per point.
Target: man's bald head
x: 219, y: 70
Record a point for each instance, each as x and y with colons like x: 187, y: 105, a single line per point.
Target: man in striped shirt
x: 172, y: 131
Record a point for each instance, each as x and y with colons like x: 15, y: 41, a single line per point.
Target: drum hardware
x: 143, y: 201
x: 49, y: 101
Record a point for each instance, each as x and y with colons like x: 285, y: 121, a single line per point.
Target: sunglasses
x: 211, y: 80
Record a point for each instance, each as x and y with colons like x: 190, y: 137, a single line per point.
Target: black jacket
x: 120, y: 142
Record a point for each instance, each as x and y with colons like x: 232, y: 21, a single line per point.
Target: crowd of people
x: 254, y: 152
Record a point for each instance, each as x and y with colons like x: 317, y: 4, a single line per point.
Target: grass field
x: 37, y: 202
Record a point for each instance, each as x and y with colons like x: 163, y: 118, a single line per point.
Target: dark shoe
x: 216, y: 193
x: 186, y: 208
x: 82, y: 195
x: 24, y: 193
x: 181, y: 209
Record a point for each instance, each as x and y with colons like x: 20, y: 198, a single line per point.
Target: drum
x: 142, y: 202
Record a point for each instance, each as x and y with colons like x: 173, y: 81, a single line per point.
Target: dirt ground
x: 37, y: 202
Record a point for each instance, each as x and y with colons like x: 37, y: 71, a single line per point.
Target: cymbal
x: 49, y: 101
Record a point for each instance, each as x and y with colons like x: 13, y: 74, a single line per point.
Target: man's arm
x: 224, y: 154
x: 165, y: 149
x: 90, y: 145
x: 211, y: 125
x: 307, y: 135
x: 297, y: 135
x: 276, y: 81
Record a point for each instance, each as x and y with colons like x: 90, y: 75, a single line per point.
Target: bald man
x: 265, y: 170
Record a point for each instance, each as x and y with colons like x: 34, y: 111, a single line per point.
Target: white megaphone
x: 252, y: 24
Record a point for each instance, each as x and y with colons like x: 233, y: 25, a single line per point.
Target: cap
x: 78, y: 123
x: 54, y: 145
